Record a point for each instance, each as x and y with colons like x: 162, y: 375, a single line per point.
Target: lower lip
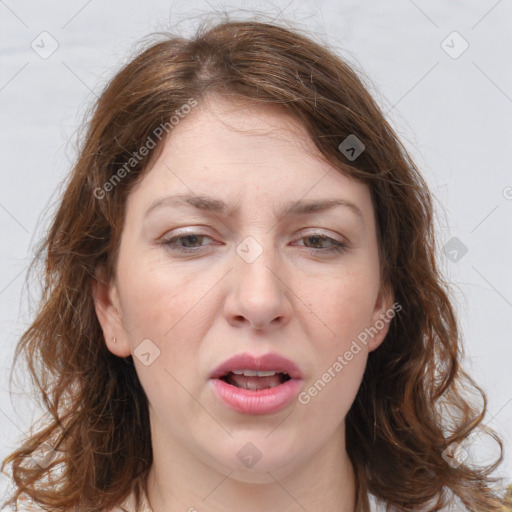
x: 265, y: 401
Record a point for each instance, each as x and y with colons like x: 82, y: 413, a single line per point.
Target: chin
x: 248, y: 464
x: 259, y: 477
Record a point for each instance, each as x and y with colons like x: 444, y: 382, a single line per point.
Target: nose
x: 258, y: 294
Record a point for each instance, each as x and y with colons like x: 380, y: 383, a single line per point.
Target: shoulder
x: 25, y: 504
x: 130, y: 505
x: 456, y: 505
x: 376, y: 505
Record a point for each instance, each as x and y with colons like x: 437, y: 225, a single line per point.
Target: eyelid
x: 321, y: 231
x: 308, y: 232
x: 337, y: 246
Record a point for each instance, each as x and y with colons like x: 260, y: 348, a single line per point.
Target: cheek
x: 331, y: 388
x: 153, y: 298
x: 339, y: 359
x: 165, y: 307
x: 170, y: 305
x: 150, y: 300
x: 344, y: 304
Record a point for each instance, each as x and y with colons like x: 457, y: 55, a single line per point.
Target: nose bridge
x: 257, y: 292
x: 257, y: 259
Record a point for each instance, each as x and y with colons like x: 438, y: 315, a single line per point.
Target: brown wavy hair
x: 414, y: 400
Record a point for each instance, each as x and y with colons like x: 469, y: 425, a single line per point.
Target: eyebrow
x: 292, y: 208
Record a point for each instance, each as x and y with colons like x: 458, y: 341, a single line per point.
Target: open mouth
x: 262, y: 384
x: 255, y: 380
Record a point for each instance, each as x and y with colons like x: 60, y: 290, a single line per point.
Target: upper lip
x: 265, y: 362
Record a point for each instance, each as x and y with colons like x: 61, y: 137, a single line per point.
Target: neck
x: 180, y: 481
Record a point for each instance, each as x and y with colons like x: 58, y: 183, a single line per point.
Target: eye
x: 189, y: 238
x: 317, y: 238
x: 192, y: 242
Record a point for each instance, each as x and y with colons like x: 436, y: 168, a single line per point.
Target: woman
x: 242, y: 306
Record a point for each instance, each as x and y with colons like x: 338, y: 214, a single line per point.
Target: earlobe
x: 108, y: 311
x: 383, y: 314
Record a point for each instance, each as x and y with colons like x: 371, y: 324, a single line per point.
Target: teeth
x: 254, y: 373
x: 253, y: 386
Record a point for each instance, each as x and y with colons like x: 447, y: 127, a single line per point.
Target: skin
x: 199, y: 309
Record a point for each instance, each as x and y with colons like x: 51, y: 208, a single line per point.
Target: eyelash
x: 169, y: 243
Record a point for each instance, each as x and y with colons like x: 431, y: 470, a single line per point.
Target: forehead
x: 218, y: 120
x: 249, y: 155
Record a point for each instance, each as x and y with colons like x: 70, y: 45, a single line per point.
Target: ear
x: 384, y: 311
x: 108, y: 310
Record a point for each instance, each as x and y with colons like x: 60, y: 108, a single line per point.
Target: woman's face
x: 198, y: 283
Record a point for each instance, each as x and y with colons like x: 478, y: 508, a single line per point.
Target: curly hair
x: 414, y: 401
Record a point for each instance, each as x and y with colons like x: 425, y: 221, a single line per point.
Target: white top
x: 129, y: 505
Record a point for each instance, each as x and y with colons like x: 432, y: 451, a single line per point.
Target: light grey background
x: 453, y: 112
